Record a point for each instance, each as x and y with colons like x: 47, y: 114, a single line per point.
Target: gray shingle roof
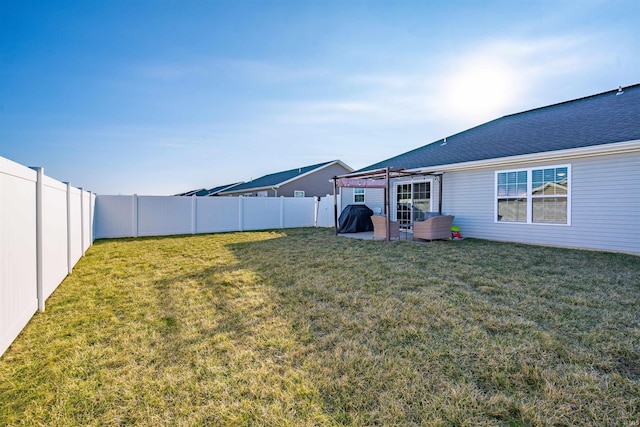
x: 208, y: 192
x: 598, y: 119
x: 275, y: 179
x: 215, y: 190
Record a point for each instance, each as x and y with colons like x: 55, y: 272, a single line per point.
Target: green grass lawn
x: 299, y: 327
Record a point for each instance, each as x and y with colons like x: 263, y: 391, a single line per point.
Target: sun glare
x: 480, y: 90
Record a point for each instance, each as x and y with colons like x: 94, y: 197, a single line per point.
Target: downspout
x: 440, y: 194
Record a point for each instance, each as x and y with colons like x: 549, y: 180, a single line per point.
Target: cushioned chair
x: 434, y: 228
x: 380, y: 227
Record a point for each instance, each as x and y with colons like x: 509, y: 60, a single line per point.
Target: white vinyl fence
x: 133, y: 216
x: 45, y: 228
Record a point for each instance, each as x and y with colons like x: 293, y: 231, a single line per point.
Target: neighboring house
x: 307, y: 181
x: 564, y: 175
x: 215, y: 191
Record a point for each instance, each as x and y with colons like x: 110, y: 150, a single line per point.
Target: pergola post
x: 386, y: 203
x: 335, y: 205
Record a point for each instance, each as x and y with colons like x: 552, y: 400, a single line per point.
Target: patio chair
x: 380, y: 227
x: 434, y: 228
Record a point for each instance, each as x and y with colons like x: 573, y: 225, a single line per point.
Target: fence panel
x: 18, y: 277
x: 87, y: 212
x: 115, y: 217
x: 260, y: 213
x: 164, y: 215
x: 325, y: 211
x: 55, y: 266
x: 298, y: 212
x: 75, y: 221
x: 132, y: 216
x: 40, y: 229
x: 217, y: 214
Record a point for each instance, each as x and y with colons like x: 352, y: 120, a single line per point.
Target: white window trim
x: 530, y: 197
x: 298, y: 193
x: 364, y: 194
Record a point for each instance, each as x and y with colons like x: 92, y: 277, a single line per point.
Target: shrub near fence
x: 45, y: 228
x: 133, y: 216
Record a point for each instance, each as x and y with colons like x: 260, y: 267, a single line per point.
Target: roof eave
x: 248, y: 190
x: 280, y: 184
x: 335, y: 162
x: 595, y: 150
x: 591, y: 151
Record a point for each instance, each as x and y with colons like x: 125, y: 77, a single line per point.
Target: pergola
x: 377, y: 178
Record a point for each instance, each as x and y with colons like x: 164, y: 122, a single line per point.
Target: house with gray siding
x: 565, y: 175
x: 307, y: 181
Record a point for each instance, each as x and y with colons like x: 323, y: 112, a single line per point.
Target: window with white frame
x: 358, y: 195
x: 298, y: 193
x: 534, y: 196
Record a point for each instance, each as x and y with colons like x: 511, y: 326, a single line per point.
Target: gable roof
x: 278, y: 179
x: 605, y: 118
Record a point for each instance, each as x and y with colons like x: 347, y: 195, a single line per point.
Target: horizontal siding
x: 605, y: 206
x: 374, y: 198
x: 607, y: 198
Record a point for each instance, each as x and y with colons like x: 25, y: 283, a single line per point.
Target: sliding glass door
x: 413, y: 199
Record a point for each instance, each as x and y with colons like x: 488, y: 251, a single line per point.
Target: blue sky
x: 158, y: 97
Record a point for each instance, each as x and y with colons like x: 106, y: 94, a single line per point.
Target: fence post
x: 39, y: 247
x: 69, y: 263
x: 82, y: 221
x: 91, y: 213
x: 194, y: 214
x: 316, y: 208
x: 281, y: 211
x: 240, y: 213
x: 134, y: 213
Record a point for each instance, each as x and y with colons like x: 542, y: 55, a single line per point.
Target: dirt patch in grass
x: 299, y: 327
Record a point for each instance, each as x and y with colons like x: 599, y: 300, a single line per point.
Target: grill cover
x: 354, y: 219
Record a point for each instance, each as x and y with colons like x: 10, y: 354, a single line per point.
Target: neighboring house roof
x: 210, y: 192
x: 276, y: 180
x: 219, y: 189
x: 605, y: 118
x: 190, y: 193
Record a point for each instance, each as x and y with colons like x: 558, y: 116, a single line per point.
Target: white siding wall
x: 373, y: 198
x: 605, y: 205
